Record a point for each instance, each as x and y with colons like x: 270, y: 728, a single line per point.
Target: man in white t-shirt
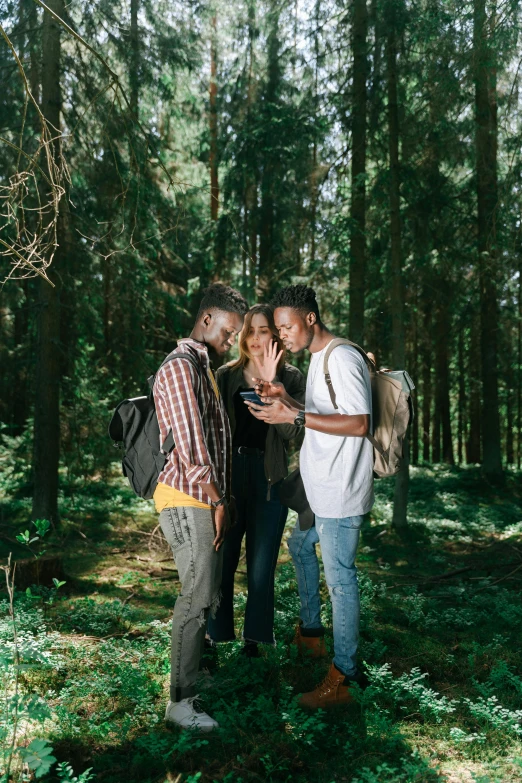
x: 336, y: 464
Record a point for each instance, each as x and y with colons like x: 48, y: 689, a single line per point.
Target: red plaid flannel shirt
x: 186, y: 403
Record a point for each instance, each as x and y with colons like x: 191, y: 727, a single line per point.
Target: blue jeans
x: 262, y: 520
x: 338, y: 539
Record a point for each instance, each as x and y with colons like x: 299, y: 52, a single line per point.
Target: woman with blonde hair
x: 259, y: 464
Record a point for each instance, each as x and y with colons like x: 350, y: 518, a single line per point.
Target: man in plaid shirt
x: 193, y: 491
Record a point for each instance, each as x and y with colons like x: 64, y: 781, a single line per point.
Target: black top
x: 249, y: 431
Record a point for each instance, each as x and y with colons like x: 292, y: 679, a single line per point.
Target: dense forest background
x: 371, y: 149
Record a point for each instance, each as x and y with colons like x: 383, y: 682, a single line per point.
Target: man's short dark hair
x: 223, y: 297
x: 299, y: 297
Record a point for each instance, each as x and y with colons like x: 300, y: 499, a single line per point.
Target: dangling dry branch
x: 30, y: 198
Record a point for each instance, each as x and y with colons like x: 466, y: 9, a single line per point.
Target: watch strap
x: 300, y: 419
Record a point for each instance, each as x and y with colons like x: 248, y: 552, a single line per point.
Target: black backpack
x: 134, y: 428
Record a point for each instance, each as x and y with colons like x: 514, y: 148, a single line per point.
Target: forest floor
x: 441, y: 636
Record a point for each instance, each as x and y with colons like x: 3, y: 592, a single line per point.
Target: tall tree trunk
x: 461, y: 424
x: 473, y: 450
x: 20, y: 406
x: 358, y: 195
x: 426, y: 383
x: 435, y: 437
x: 252, y: 233
x: 510, y: 411
x: 266, y: 232
x: 250, y: 194
x: 313, y: 174
x: 214, y: 182
x: 487, y: 204
x: 134, y: 65
x: 415, y: 370
x: 269, y: 180
x: 244, y: 245
x: 47, y: 403
x: 107, y: 315
x: 519, y: 366
x: 34, y: 59
x: 443, y: 381
x: 400, y: 502
x: 28, y: 21
x: 397, y: 287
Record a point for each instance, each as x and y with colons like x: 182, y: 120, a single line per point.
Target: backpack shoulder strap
x: 168, y: 443
x: 194, y: 362
x: 331, y: 346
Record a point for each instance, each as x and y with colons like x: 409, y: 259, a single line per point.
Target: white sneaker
x: 183, y: 713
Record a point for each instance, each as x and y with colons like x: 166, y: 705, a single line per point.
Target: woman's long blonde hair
x: 268, y: 312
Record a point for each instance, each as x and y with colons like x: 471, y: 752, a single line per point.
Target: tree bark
x: 519, y: 366
x: 19, y: 398
x: 214, y: 181
x: 134, y: 65
x: 269, y: 183
x: 47, y: 403
x: 400, y: 503
x: 443, y: 382
x: 461, y: 424
x: 426, y: 383
x: 358, y: 200
x: 487, y: 204
x: 252, y: 234
x: 313, y: 174
x: 510, y: 413
x: 107, y: 314
x: 435, y: 436
x: 473, y: 447
x: 415, y: 371
x: 250, y: 195
x: 397, y: 287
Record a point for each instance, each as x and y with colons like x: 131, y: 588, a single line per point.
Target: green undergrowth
x: 441, y: 633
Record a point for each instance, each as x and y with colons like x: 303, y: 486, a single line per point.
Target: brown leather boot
x: 311, y: 646
x: 329, y: 693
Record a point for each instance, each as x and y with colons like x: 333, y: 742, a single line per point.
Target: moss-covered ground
x: 441, y: 636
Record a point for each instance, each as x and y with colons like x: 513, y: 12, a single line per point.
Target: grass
x: 440, y: 635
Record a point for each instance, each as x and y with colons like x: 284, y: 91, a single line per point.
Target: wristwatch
x: 216, y: 503
x: 300, y: 419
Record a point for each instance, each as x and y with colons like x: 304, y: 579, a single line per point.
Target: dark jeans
x: 263, y: 521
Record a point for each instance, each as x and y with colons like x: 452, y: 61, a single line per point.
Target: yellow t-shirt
x: 168, y: 497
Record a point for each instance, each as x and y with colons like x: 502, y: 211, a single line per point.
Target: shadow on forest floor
x: 440, y: 635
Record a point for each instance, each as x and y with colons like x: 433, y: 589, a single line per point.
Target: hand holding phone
x: 251, y: 396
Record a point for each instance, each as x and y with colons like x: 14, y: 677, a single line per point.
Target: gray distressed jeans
x: 190, y: 533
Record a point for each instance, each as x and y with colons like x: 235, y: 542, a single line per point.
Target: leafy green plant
x: 406, y: 690
x: 66, y: 774
x: 42, y: 528
x: 488, y: 711
x: 99, y: 618
x: 37, y: 756
x: 459, y: 736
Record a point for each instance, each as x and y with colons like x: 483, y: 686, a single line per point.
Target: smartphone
x: 251, y: 396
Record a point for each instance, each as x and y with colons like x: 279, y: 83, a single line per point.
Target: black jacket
x: 230, y: 378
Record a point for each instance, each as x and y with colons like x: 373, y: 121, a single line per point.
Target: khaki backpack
x: 392, y: 409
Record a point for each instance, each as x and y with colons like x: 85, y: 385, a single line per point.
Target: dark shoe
x: 250, y: 650
x: 209, y: 659
x: 332, y: 692
x: 310, y: 642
